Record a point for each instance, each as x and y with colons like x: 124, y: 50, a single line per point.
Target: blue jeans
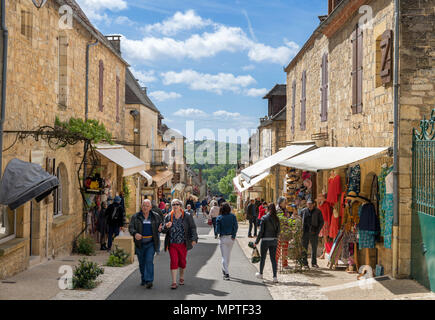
x: 145, y: 256
x: 113, y: 231
x: 213, y: 220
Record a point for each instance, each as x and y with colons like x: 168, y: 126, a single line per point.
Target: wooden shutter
x: 324, y: 89
x: 357, y: 69
x: 293, y: 105
x: 360, y: 70
x: 117, y: 98
x: 101, y: 86
x: 387, y: 56
x: 303, y: 101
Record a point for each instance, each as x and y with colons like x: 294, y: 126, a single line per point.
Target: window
x: 357, y: 69
x: 324, y: 89
x: 57, y: 206
x: 293, y: 106
x: 26, y: 24
x: 304, y: 101
x: 384, y: 58
x: 63, y: 71
x: 8, y: 225
x: 101, y: 86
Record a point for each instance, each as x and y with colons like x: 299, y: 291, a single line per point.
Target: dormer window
x: 332, y: 4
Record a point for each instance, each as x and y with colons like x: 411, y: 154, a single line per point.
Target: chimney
x: 144, y: 90
x: 115, y: 40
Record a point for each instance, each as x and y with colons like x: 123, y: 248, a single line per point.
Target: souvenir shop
x: 353, y: 189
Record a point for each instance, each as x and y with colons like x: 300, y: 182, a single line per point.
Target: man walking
x: 251, y: 215
x: 145, y: 227
x: 115, y: 215
x: 312, y: 223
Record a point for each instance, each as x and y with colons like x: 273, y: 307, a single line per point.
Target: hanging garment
x: 354, y: 179
x: 334, y: 189
x: 382, y: 192
x: 367, y: 239
x: 337, y: 248
x: 369, y: 221
x: 326, y: 210
x: 387, y: 206
x: 336, y: 219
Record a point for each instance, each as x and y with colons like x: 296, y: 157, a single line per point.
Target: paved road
x: 203, y: 278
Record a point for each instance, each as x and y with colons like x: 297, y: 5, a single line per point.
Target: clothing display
x: 368, y: 226
x: 354, y: 179
x: 382, y: 192
x: 367, y: 239
x: 334, y: 189
x: 386, y: 208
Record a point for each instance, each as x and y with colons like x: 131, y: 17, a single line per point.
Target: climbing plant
x: 126, y: 191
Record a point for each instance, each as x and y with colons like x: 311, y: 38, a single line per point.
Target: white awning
x: 261, y: 166
x: 328, y: 158
x: 117, y: 154
x: 162, y: 177
x: 241, y: 185
x: 144, y: 174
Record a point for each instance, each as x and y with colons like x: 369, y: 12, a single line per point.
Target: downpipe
x: 5, y: 34
x: 395, y: 240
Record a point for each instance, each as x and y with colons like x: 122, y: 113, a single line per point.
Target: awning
x: 117, y: 154
x: 328, y: 158
x: 149, y: 178
x: 261, y: 166
x: 162, y: 177
x: 23, y: 181
x: 242, y: 185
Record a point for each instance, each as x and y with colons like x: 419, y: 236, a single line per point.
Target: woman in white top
x: 214, y: 213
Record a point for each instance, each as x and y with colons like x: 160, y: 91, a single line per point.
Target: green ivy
x: 92, y: 130
x: 127, y: 192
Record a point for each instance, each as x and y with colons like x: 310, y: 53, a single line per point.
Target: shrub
x: 86, y: 246
x: 118, y: 257
x: 291, y: 231
x: 85, y: 274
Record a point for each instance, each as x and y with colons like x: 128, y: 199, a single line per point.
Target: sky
x: 208, y: 62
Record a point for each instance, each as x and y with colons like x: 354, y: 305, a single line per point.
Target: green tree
x: 226, y: 183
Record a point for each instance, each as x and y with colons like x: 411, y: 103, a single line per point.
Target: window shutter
x: 387, y: 56
x: 293, y: 105
x: 303, y: 101
x: 360, y: 70
x: 354, y: 70
x: 324, y: 89
x: 101, y: 84
x: 117, y: 98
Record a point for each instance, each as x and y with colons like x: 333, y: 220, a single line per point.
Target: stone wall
x: 417, y: 99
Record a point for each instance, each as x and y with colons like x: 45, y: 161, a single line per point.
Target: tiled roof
x: 134, y: 93
x: 277, y: 90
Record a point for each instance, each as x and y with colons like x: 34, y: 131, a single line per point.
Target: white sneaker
x: 259, y: 275
x: 275, y: 280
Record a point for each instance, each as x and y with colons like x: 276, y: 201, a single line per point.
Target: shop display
x: 354, y: 179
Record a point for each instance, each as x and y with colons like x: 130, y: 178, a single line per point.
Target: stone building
x: 340, y: 88
x: 47, y: 79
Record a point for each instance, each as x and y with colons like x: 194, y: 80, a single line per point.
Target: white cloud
x: 94, y: 8
x: 248, y: 67
x: 253, y: 92
x: 208, y: 82
x: 144, y: 77
x: 123, y: 20
x: 208, y: 44
x: 189, y: 113
x: 163, y: 95
x: 226, y: 114
x: 178, y: 22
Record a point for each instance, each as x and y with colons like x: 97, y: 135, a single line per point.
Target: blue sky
x: 208, y: 61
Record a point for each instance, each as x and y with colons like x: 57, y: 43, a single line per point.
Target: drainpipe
x: 395, y: 240
x: 87, y: 100
x: 4, y: 73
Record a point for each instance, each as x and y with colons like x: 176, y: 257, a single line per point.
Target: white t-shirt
x: 214, y: 212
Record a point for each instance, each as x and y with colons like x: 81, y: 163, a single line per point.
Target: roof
x: 81, y: 17
x: 277, y: 90
x: 134, y: 93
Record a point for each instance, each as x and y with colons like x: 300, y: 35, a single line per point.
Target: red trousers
x: 178, y: 254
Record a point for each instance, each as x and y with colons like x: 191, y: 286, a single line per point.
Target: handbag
x: 255, y: 258
x: 210, y: 222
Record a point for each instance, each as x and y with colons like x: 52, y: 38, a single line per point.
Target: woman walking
x: 181, y: 236
x: 102, y: 225
x: 226, y: 228
x: 214, y: 213
x: 269, y: 232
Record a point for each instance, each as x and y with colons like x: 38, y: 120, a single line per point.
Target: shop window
x: 8, y: 224
x: 26, y: 24
x: 63, y: 71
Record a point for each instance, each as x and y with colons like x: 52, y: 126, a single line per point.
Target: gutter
x: 4, y: 78
x: 395, y: 240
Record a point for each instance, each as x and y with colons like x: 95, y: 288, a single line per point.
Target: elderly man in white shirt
x: 214, y: 213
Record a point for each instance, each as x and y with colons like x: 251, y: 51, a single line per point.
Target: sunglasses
x: 176, y: 205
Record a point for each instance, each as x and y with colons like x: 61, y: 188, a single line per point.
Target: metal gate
x: 423, y: 203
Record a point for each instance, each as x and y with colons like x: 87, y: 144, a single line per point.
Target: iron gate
x: 423, y: 203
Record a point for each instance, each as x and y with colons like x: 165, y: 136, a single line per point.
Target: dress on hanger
x: 336, y: 221
x: 334, y: 189
x: 326, y: 210
x: 368, y: 226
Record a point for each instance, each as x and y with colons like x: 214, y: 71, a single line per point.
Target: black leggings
x: 270, y: 245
